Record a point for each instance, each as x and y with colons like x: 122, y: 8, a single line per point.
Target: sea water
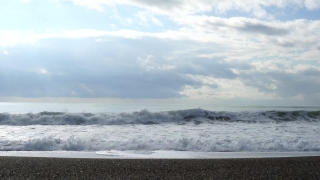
x: 116, y: 129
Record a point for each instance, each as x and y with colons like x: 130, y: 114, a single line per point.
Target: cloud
x: 147, y: 17
x: 238, y: 24
x: 148, y: 67
x: 259, y: 34
x: 97, y: 5
x: 254, y: 27
x: 312, y: 4
x: 24, y: 84
x: 286, y: 80
x: 86, y: 68
x: 232, y: 32
x: 250, y: 26
x: 169, y: 49
x: 222, y: 91
x: 263, y: 80
x: 12, y: 38
x: 171, y: 7
x: 215, y: 67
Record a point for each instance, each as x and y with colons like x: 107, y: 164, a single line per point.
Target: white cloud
x: 310, y: 55
x: 87, y: 89
x: 226, y: 89
x: 97, y: 4
x: 11, y: 38
x: 101, y: 40
x: 312, y: 4
x: 43, y: 71
x: 285, y: 79
x: 150, y: 64
x: 147, y: 17
x: 191, y: 7
x: 229, y: 31
x: 5, y: 53
x: 156, y: 21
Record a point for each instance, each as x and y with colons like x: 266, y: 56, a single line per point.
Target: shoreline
x: 237, y: 168
x: 158, y: 154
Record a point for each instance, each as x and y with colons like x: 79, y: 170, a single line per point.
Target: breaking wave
x: 182, y: 144
x: 196, y: 116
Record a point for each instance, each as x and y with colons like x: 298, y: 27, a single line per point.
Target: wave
x: 182, y: 144
x: 196, y: 116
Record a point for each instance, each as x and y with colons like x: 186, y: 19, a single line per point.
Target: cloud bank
x: 167, y: 49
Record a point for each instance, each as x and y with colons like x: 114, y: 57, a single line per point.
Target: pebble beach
x: 77, y: 168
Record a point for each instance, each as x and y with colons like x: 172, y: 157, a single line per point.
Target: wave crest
x: 196, y: 116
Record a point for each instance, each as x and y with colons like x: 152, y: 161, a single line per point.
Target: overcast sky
x: 266, y: 50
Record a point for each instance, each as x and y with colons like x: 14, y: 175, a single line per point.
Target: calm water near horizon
x: 16, y: 108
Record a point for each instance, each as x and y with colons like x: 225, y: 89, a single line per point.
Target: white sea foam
x: 220, y: 136
x: 184, y: 144
x: 183, y: 130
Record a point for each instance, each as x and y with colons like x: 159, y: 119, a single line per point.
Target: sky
x: 265, y: 51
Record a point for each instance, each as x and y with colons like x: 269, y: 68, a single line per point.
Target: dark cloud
x: 247, y: 26
x: 86, y: 68
x: 287, y: 84
x: 125, y: 85
x: 215, y: 67
x: 293, y: 85
x: 16, y: 83
x: 261, y: 28
x: 258, y: 80
x: 285, y: 43
x: 311, y: 72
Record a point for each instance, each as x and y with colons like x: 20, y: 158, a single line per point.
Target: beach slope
x: 73, y: 168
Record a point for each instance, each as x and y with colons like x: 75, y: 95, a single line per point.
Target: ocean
x: 114, y: 128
